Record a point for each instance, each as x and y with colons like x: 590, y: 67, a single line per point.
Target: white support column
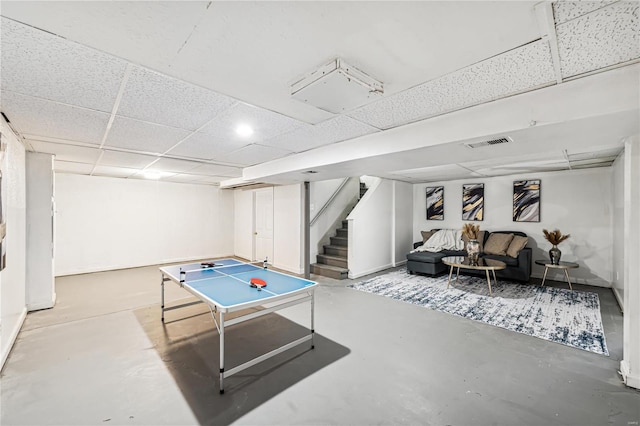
x: 630, y: 364
x: 40, y: 283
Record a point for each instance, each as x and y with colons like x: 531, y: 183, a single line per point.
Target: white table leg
x: 162, y: 296
x: 450, y: 273
x: 221, y: 352
x: 488, y: 281
x: 546, y: 269
x: 566, y: 272
x: 457, y: 273
x: 313, y: 298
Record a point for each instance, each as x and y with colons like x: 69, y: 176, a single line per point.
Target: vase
x: 473, y: 251
x: 554, y: 255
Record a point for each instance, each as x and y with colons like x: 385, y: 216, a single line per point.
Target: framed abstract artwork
x: 526, y: 200
x: 435, y: 202
x: 473, y: 201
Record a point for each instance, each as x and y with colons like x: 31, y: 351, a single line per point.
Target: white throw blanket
x: 444, y: 239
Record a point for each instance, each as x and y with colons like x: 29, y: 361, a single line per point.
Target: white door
x: 263, y: 225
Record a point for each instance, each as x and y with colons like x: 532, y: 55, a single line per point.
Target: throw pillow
x: 498, y: 244
x: 465, y: 240
x: 517, y: 244
x: 426, y: 235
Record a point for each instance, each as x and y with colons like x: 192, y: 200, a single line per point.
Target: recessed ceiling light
x: 244, y: 130
x: 151, y: 175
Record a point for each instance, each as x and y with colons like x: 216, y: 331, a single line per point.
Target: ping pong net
x: 199, y: 274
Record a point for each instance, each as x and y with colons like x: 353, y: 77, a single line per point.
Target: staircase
x: 333, y: 262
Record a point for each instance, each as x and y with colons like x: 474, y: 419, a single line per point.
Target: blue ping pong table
x: 226, y: 287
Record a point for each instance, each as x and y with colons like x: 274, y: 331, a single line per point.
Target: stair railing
x: 329, y: 201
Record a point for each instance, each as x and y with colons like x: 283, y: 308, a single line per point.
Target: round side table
x: 562, y: 265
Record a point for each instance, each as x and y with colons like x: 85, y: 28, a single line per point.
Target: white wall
x: 13, y: 278
x: 630, y: 364
x: 243, y: 225
x: 107, y: 223
x: 577, y: 202
x: 371, y: 229
x: 40, y: 292
x: 617, y: 189
x: 287, y: 228
x: 403, y: 221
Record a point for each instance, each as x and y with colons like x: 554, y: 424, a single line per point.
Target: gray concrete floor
x: 102, y: 356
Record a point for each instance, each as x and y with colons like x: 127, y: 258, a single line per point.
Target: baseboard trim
x: 42, y: 305
x: 402, y: 262
x: 370, y: 271
x: 616, y: 293
x: 633, y: 381
x: 120, y: 267
x: 292, y: 269
x: 12, y: 338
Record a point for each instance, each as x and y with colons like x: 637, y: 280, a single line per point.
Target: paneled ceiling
x: 135, y: 89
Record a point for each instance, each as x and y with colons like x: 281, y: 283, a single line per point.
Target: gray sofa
x: 430, y: 263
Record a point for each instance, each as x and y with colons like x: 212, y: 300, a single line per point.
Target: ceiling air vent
x: 489, y: 142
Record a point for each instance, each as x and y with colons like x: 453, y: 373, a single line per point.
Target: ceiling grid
x: 114, y: 95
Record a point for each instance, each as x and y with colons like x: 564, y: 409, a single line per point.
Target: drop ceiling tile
x: 337, y: 129
x: 33, y: 116
x: 564, y: 11
x: 515, y: 71
x: 436, y: 173
x: 217, y: 170
x: 205, y: 147
x: 154, y: 97
x: 126, y: 159
x: 556, y: 155
x: 183, y: 177
x: 608, y: 36
x: 534, y: 164
x: 195, y: 179
x: 44, y: 65
x: 173, y: 165
x: 145, y: 175
x: 212, y: 179
x: 71, y: 167
x: 120, y: 172
x: 595, y: 152
x: 142, y: 136
x: 64, y: 152
x: 266, y: 124
x: 253, y: 154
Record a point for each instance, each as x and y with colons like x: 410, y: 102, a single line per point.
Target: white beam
x: 610, y: 93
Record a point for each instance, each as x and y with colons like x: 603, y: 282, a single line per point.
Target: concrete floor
x: 102, y: 356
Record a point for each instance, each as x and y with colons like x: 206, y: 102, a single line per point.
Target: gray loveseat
x: 430, y: 263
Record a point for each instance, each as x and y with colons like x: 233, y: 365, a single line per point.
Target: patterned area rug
x: 563, y: 316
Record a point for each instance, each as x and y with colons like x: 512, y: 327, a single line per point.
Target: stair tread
x: 333, y: 246
x: 330, y: 267
x: 340, y: 238
x: 333, y: 256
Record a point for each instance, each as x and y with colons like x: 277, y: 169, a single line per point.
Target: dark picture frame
x: 526, y: 200
x: 473, y: 201
x: 435, y: 202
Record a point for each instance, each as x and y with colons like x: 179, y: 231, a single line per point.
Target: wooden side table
x: 563, y: 265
